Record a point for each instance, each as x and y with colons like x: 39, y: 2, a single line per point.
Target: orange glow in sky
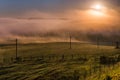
x: 97, y: 10
x: 97, y: 7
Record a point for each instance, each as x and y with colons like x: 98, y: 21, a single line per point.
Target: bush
x: 108, y: 78
x: 107, y: 60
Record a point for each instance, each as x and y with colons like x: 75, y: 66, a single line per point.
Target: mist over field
x: 51, y: 22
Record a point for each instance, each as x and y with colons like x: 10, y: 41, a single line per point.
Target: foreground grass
x: 55, y: 66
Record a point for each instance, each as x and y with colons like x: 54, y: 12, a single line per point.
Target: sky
x: 18, y: 7
x: 56, y: 18
x: 11, y: 7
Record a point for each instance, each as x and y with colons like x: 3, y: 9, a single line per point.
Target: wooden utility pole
x: 98, y: 42
x: 70, y: 42
x: 16, y: 48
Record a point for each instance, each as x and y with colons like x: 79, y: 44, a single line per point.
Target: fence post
x: 117, y: 45
x: 90, y: 70
x: 72, y: 56
x: 49, y: 57
x: 63, y: 57
x: 99, y: 72
x: 42, y: 57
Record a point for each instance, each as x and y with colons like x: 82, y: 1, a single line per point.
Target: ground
x: 55, y: 61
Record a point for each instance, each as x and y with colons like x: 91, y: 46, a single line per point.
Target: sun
x: 97, y: 7
x: 97, y: 10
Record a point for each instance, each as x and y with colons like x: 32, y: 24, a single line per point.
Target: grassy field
x: 55, y: 61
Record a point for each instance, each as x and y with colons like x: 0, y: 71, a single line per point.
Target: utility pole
x: 16, y: 49
x: 70, y: 42
x: 98, y: 42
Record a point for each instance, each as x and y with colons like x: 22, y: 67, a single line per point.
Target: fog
x: 82, y: 25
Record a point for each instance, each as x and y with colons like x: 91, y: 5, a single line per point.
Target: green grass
x: 52, y: 67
